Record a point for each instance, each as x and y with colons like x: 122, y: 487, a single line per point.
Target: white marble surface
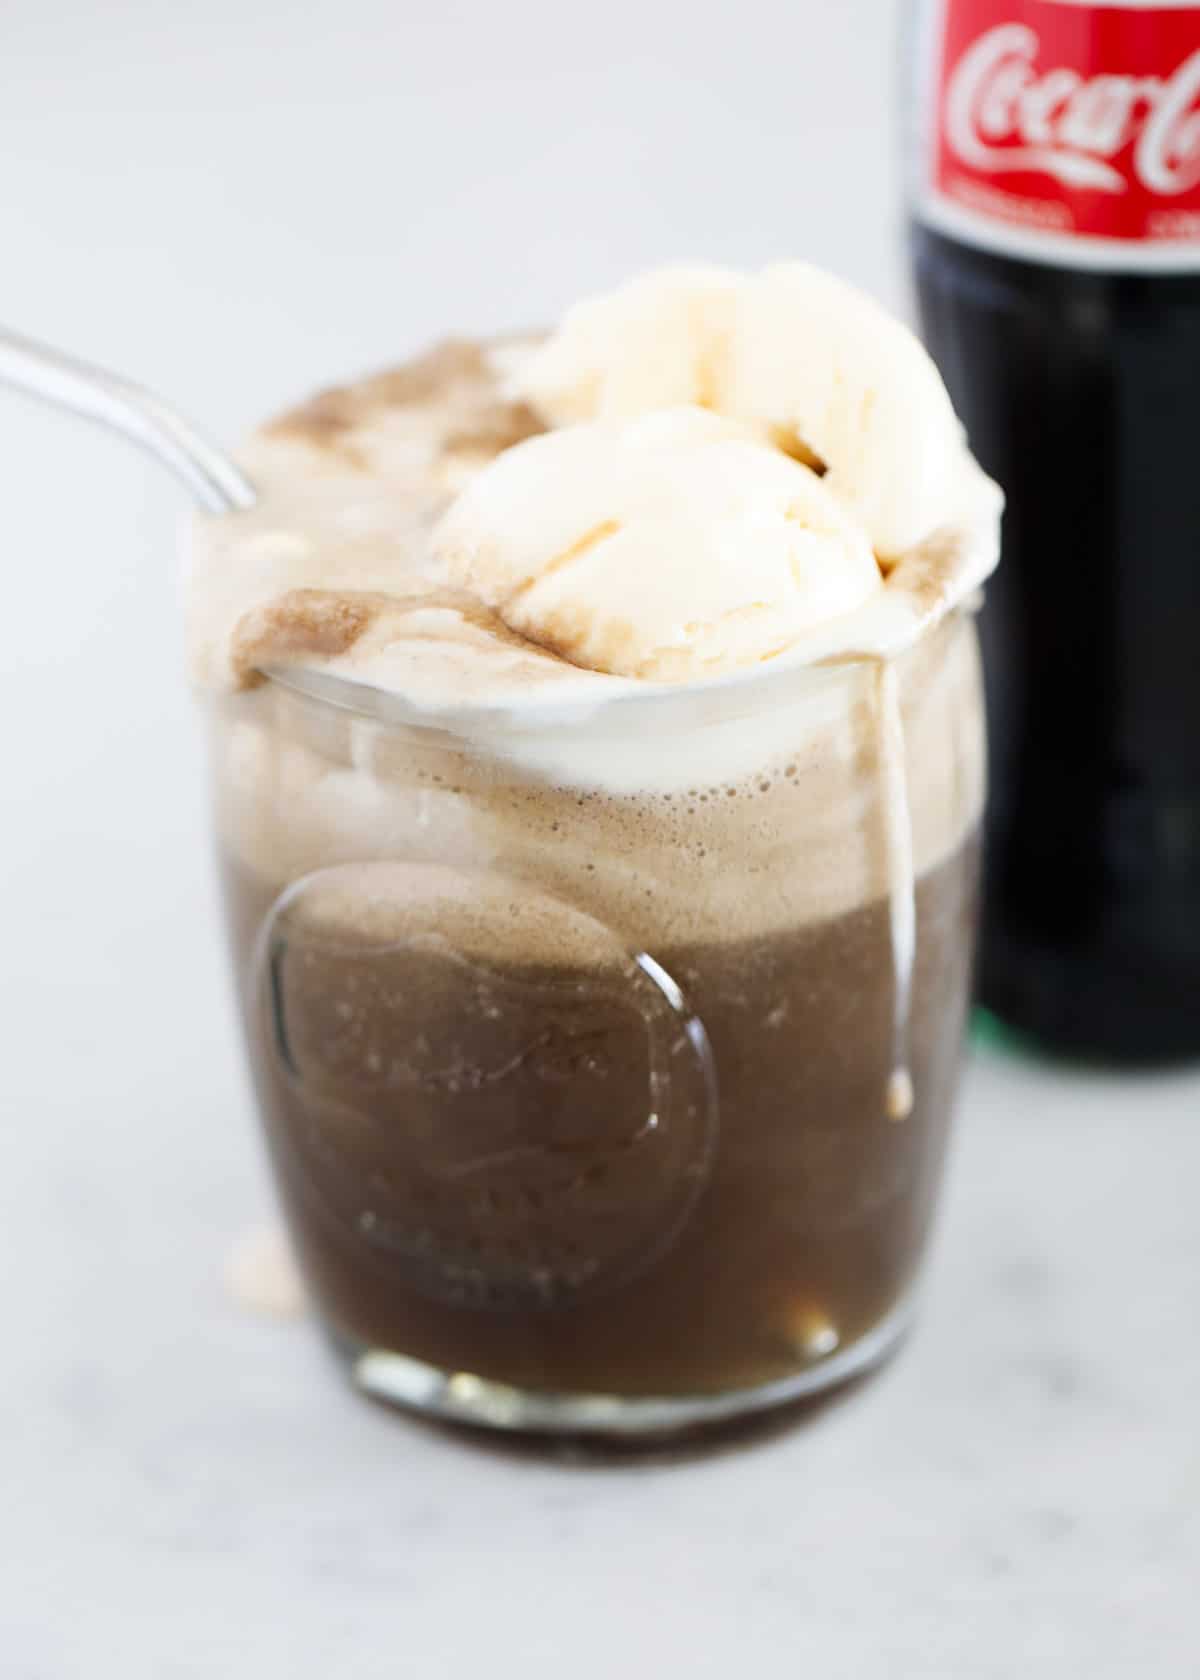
x: 187, y: 1493
x: 192, y: 1493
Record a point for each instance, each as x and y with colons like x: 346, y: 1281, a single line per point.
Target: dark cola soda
x: 1056, y: 244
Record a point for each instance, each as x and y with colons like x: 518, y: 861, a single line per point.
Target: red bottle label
x: 1055, y: 128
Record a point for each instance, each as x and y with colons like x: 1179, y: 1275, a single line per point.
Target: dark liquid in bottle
x: 1079, y: 392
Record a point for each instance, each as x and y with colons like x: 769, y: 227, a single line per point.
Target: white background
x: 237, y: 201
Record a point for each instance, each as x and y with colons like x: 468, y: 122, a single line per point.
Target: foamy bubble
x: 639, y: 825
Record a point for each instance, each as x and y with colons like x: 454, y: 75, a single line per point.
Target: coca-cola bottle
x: 1055, y: 225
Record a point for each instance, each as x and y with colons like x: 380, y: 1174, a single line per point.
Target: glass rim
x: 726, y: 698
x: 738, y: 694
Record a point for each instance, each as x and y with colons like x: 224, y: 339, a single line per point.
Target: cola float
x: 1056, y: 243
x: 597, y: 744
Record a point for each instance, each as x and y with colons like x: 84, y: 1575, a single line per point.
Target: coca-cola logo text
x: 1008, y: 107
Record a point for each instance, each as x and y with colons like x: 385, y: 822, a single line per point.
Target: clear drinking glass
x: 581, y: 1037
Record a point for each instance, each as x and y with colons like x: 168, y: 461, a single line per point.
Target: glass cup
x: 606, y: 1055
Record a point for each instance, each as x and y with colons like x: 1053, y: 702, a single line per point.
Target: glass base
x: 463, y: 1398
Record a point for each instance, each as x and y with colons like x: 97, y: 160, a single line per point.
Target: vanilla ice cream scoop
x: 814, y: 365
x: 659, y: 341
x: 670, y: 547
